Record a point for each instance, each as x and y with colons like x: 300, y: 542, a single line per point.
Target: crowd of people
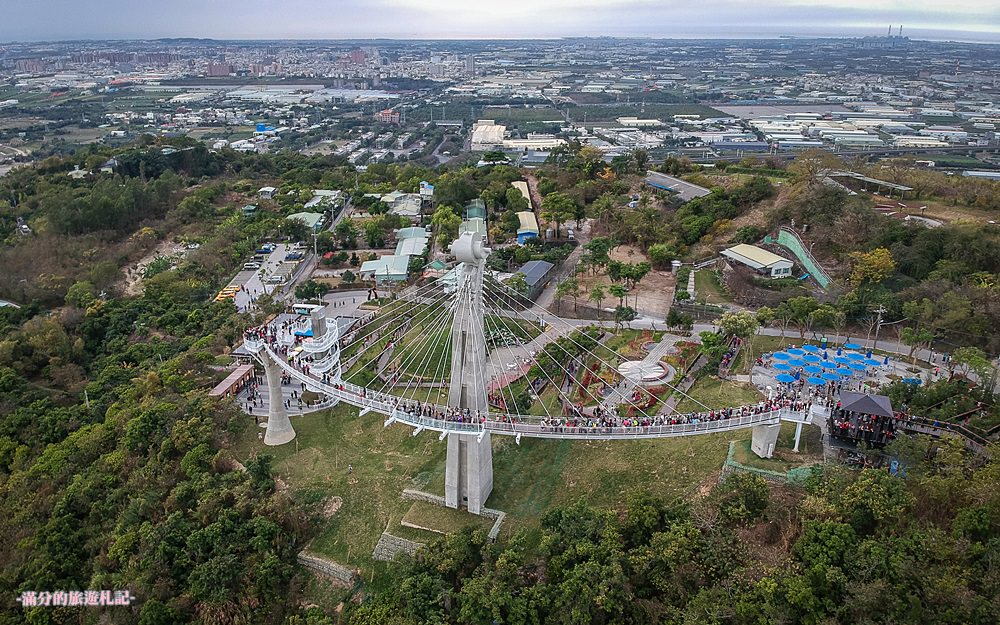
x: 597, y: 418
x: 875, y: 430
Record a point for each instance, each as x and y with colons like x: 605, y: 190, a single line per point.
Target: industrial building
x: 528, y: 228
x: 536, y: 274
x: 684, y: 190
x: 760, y: 260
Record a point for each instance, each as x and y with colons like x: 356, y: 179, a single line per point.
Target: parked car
x: 251, y: 266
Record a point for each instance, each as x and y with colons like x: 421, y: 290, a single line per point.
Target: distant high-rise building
x: 358, y: 56
x: 470, y: 65
x: 219, y: 69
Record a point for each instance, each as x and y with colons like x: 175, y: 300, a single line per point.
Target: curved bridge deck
x: 514, y: 425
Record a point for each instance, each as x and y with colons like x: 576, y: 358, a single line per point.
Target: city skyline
x: 965, y: 20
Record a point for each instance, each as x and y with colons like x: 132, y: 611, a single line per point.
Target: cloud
x: 332, y: 19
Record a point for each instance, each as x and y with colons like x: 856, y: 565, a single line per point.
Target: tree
x: 596, y: 253
x: 871, y: 267
x: 662, y: 255
x: 799, y: 309
x: 375, y: 233
x: 597, y: 296
x: 310, y: 289
x: 624, y: 315
x: 744, y: 325
x: 743, y: 497
x: 518, y: 283
x: 348, y: 277
x: 914, y: 338
x: 604, y: 208
x: 825, y: 316
x: 619, y: 291
x: 558, y: 208
x: 80, y: 294
x: 347, y: 233
x: 569, y: 286
x: 971, y: 360
x: 641, y: 158
x: 679, y: 320
x: 446, y: 223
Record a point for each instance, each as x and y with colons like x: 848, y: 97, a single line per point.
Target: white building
x: 760, y: 260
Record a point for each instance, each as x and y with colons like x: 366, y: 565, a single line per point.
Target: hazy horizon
x: 60, y: 20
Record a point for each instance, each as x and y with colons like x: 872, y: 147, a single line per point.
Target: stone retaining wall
x: 327, y: 567
x: 390, y: 546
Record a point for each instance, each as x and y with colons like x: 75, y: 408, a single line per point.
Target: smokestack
x: 900, y: 30
x: 890, y: 30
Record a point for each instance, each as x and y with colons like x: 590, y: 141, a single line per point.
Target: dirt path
x: 133, y: 275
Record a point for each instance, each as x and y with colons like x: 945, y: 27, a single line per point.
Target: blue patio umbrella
x: 868, y: 354
x: 833, y: 377
x: 839, y: 351
x: 795, y: 351
x: 871, y: 362
x: 844, y: 360
x: 851, y: 346
x: 828, y: 364
x: 780, y: 356
x: 784, y: 377
x: 912, y: 381
x: 813, y: 369
x: 855, y: 356
x: 857, y: 366
x: 780, y: 366
x: 844, y: 371
x: 795, y: 362
x: 826, y: 354
x: 886, y: 361
x: 811, y: 358
x: 798, y: 375
x: 811, y: 349
x: 815, y: 380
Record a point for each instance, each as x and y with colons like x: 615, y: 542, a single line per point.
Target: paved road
x: 253, y: 281
x: 548, y: 294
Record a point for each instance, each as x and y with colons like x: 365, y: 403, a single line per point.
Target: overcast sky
x: 24, y: 20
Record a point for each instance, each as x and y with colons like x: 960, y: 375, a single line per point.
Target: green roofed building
x: 313, y: 220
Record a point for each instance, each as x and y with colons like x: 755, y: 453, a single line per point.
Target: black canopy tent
x: 862, y: 403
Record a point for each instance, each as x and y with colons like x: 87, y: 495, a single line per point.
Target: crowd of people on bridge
x: 597, y: 418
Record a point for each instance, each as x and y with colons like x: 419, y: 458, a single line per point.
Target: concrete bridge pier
x: 279, y: 428
x: 765, y: 438
x: 468, y: 474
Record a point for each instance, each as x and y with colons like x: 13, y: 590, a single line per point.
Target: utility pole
x: 881, y: 310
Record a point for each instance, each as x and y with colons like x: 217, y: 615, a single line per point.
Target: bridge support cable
x: 500, y: 374
x: 588, y: 352
x: 399, y: 324
x: 421, y: 349
x: 513, y: 403
x: 393, y: 312
x: 569, y: 374
x: 420, y: 317
x: 558, y: 387
x: 548, y: 317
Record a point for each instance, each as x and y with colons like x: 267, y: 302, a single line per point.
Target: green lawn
x: 442, y: 520
x: 810, y: 450
x: 529, y: 478
x: 706, y: 283
x: 716, y: 393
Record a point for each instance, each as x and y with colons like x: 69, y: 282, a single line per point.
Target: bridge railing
x: 526, y: 425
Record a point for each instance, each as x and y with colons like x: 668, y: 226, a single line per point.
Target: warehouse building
x: 760, y: 260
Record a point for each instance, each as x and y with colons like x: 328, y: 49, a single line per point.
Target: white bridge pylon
x: 467, y: 312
